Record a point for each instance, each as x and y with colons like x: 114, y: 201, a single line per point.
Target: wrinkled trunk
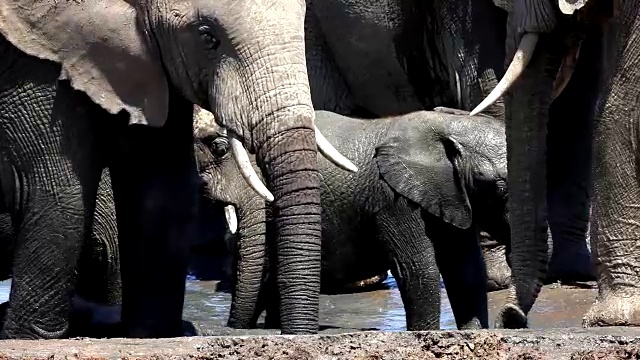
x: 285, y: 147
x: 289, y: 160
x: 249, y: 262
x: 527, y: 113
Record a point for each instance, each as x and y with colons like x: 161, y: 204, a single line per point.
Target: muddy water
x: 382, y: 309
x: 376, y: 310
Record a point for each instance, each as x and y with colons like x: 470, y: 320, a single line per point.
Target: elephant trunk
x: 289, y: 160
x: 284, y: 141
x: 250, y: 259
x: 527, y: 114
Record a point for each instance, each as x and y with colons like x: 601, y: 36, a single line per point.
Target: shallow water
x: 208, y: 309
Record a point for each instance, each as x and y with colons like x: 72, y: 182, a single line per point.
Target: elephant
x: 427, y: 182
x: 114, y: 83
x: 566, y: 103
x: 386, y: 58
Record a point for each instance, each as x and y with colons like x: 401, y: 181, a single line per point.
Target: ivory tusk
x: 566, y: 71
x: 249, y: 175
x: 518, y: 64
x: 232, y: 219
x: 329, y: 152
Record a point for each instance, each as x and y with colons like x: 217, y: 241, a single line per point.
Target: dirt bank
x: 570, y: 343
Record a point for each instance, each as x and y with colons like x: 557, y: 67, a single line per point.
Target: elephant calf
x: 427, y: 182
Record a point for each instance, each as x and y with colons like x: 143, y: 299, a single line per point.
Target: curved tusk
x: 518, y: 64
x: 329, y: 152
x: 232, y: 219
x: 249, y: 175
x: 566, y: 71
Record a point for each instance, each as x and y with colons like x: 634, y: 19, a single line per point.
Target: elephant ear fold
x: 101, y: 48
x: 426, y: 167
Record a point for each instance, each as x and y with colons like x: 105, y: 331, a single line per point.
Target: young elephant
x: 427, y: 183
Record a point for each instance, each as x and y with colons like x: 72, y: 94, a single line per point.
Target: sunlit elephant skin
x: 120, y: 95
x: 382, y: 217
x: 566, y: 106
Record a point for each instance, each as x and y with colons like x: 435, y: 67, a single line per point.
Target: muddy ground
x: 568, y: 343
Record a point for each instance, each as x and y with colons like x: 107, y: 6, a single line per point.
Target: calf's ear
x: 427, y: 168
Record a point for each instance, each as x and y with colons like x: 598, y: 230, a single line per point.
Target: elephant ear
x: 101, y: 48
x: 425, y: 166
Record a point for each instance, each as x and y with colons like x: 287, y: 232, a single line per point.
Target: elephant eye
x: 209, y: 40
x: 219, y: 146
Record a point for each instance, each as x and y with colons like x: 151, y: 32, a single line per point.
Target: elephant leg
x: 155, y: 187
x: 459, y: 258
x: 569, y: 155
x: 413, y: 265
x: 615, y: 232
x: 50, y: 147
x: 98, y: 296
x: 99, y: 264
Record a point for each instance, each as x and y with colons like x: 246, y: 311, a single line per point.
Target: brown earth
x: 553, y: 344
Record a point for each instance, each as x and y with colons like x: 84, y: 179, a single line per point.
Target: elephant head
x: 450, y: 165
x: 244, y: 60
x: 245, y: 213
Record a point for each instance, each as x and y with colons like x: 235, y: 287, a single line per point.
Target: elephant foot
x: 614, y: 310
x: 511, y: 317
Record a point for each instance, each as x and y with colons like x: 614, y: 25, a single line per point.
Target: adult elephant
x: 562, y: 64
x: 428, y: 182
x: 96, y: 74
x: 385, y: 58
